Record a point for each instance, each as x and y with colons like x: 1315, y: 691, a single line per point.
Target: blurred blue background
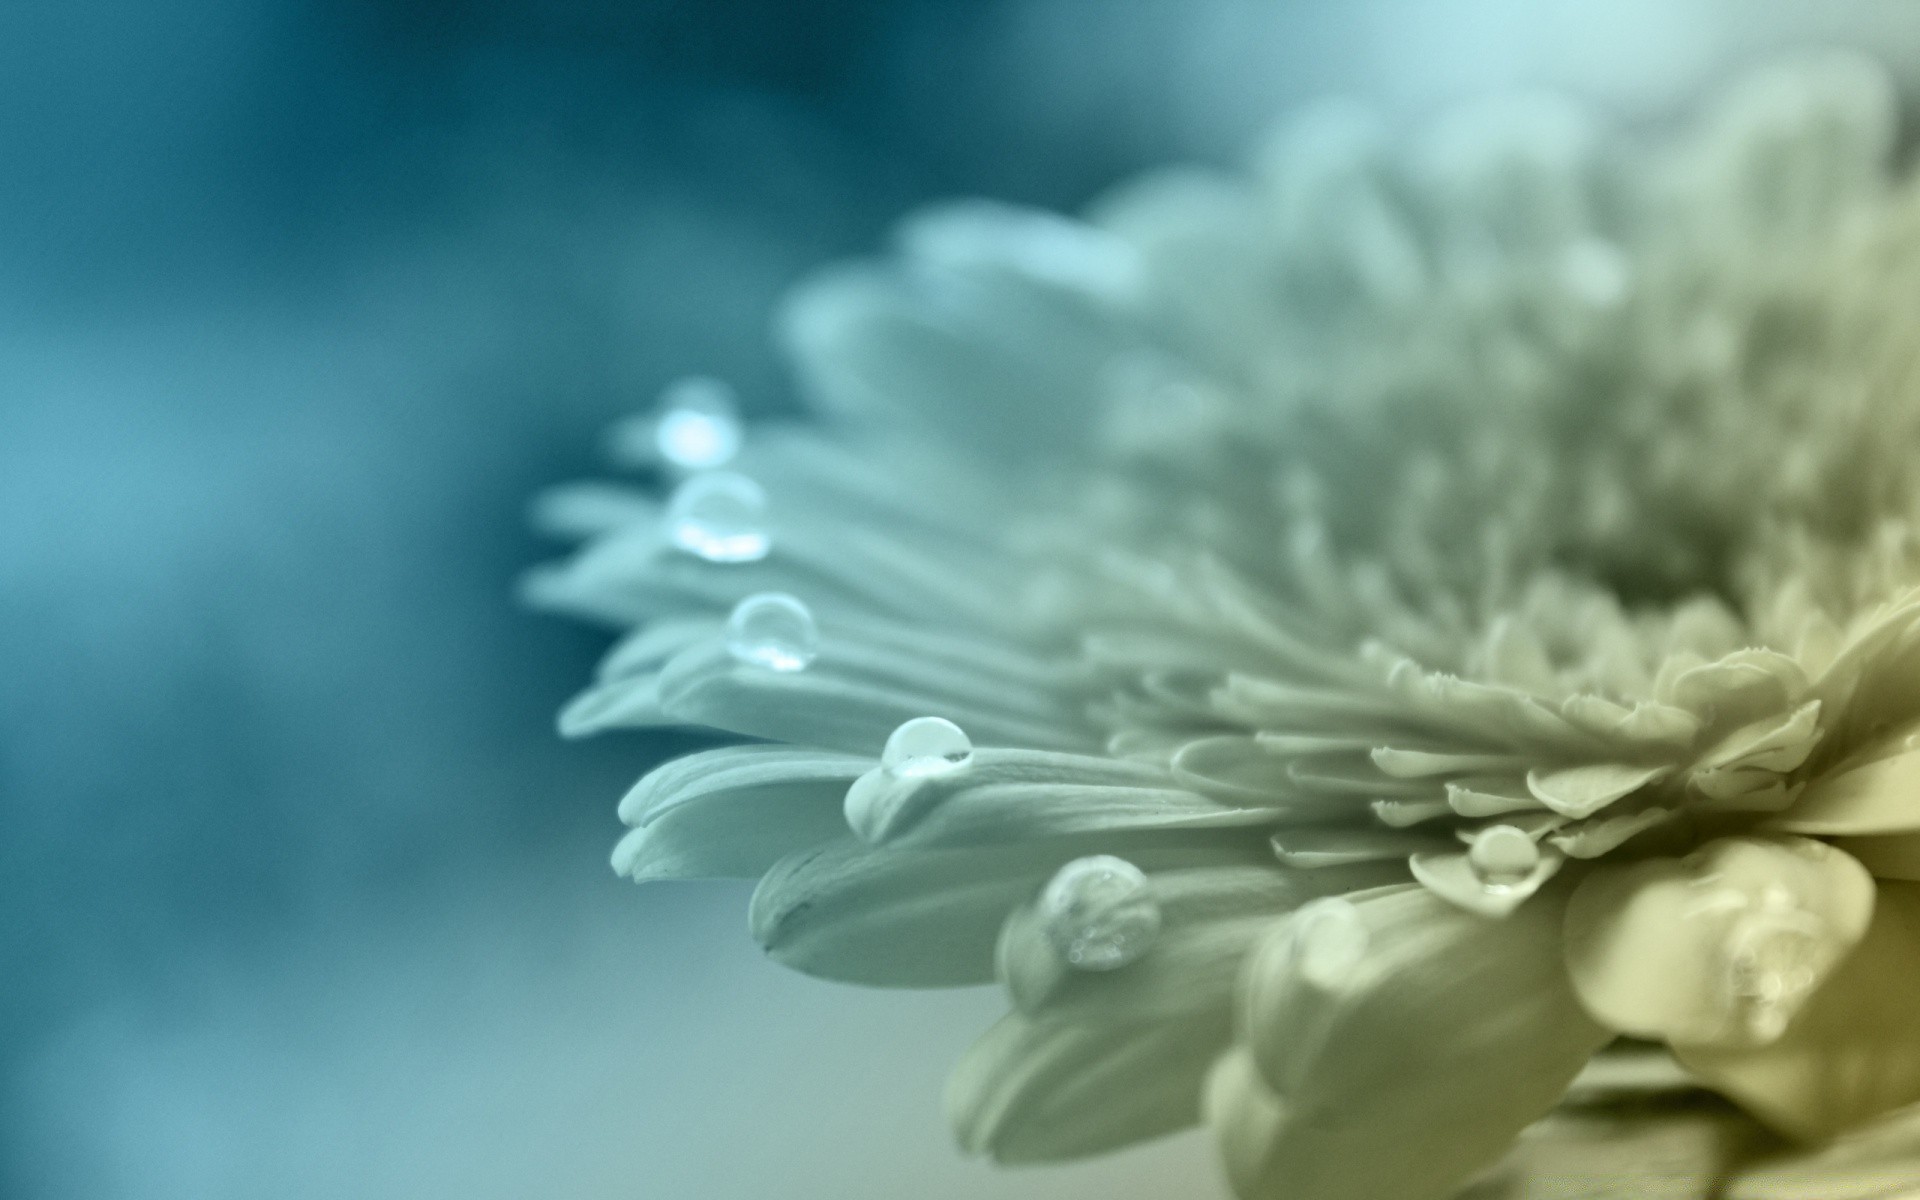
x: 300, y: 300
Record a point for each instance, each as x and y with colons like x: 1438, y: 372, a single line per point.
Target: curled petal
x: 1853, y: 1051
x: 1719, y: 948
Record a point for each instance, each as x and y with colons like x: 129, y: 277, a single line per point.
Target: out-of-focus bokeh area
x: 300, y: 300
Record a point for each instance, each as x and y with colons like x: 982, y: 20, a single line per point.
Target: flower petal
x: 1853, y: 1051
x: 1005, y: 795
x: 1878, y: 795
x: 1210, y: 917
x: 930, y: 918
x: 1582, y: 791
x: 1718, y: 948
x: 1041, y: 1091
x: 1412, y: 1070
x: 727, y: 774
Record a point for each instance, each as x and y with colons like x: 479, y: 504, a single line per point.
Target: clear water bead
x: 773, y: 630
x: 698, y: 426
x: 926, y: 746
x: 719, y: 516
x: 1502, y: 856
x: 1099, y: 913
x: 1773, y: 952
x: 1329, y: 942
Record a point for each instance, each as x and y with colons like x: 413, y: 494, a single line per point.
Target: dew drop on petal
x: 1772, y: 957
x: 926, y: 746
x: 1502, y: 857
x: 698, y: 426
x: 1099, y: 913
x: 773, y: 630
x: 719, y: 516
x: 1329, y: 942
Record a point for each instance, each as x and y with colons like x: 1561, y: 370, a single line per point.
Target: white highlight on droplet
x: 1503, y: 857
x: 773, y: 630
x: 719, y: 516
x: 1330, y: 941
x: 698, y: 426
x: 926, y: 746
x: 1099, y: 913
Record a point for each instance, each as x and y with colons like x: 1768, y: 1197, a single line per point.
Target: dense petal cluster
x: 1373, y: 649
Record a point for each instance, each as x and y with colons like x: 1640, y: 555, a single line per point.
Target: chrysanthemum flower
x: 1370, y: 651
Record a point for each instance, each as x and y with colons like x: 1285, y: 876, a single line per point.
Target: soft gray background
x: 299, y: 300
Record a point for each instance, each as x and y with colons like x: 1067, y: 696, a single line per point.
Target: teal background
x: 299, y: 301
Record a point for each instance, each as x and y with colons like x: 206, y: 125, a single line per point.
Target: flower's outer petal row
x: 1210, y: 917
x: 636, y: 574
x: 931, y: 918
x: 1409, y: 1072
x: 850, y: 704
x: 1052, y: 1089
x: 1853, y: 1051
x: 1655, y: 948
x: 1021, y: 795
x: 728, y: 773
x: 733, y: 811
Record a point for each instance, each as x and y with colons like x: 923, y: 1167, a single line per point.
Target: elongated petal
x: 1012, y: 795
x: 930, y: 918
x: 1210, y: 917
x: 733, y: 812
x: 845, y: 705
x: 1719, y: 948
x: 1041, y: 1091
x: 1853, y: 1051
x: 1410, y: 1069
x: 727, y: 772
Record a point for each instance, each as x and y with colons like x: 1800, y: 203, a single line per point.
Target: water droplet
x: 719, y: 516
x: 699, y: 423
x: 926, y: 746
x: 1100, y: 913
x: 1772, y: 958
x: 773, y: 630
x: 1329, y: 941
x: 1502, y: 857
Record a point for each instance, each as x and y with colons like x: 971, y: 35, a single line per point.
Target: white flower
x: 1399, y: 619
